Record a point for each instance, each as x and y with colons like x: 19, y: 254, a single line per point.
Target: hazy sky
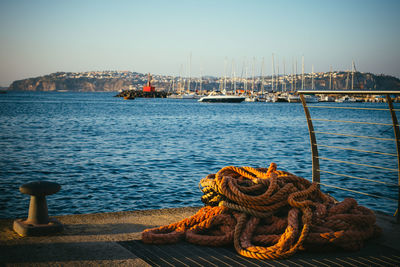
x: 41, y: 37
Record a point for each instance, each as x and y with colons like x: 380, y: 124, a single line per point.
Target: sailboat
x: 250, y: 97
x: 308, y: 98
x: 311, y: 98
x: 262, y: 97
x: 346, y: 99
x: 189, y: 94
x: 173, y: 94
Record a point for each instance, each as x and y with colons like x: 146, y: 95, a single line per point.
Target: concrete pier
x: 113, y: 239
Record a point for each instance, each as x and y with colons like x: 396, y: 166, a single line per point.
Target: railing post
x: 313, y: 142
x: 397, y: 137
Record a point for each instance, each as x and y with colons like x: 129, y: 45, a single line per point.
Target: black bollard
x: 38, y: 221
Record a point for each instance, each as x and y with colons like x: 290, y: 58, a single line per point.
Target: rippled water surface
x: 110, y: 154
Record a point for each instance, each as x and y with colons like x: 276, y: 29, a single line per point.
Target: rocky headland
x: 114, y: 81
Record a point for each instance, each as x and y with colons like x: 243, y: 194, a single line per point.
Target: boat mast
x: 262, y: 77
x: 190, y: 67
x: 201, y: 80
x: 180, y: 79
x: 295, y: 78
x: 352, y: 75
x: 312, y: 77
x: 302, y: 73
x: 245, y: 80
x: 254, y: 69
x: 277, y: 73
x: 330, y: 77
x: 234, y: 77
x: 241, y: 76
x: 284, y: 75
x: 291, y: 81
x: 273, y: 72
x: 225, y: 74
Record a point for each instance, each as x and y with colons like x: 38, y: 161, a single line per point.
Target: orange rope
x: 269, y: 214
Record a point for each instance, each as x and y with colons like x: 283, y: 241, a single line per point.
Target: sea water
x: 110, y: 154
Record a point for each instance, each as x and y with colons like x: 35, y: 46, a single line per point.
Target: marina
x: 266, y: 97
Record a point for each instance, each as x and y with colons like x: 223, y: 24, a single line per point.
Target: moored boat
x: 311, y: 99
x: 261, y: 98
x: 175, y: 96
x: 294, y: 99
x: 190, y: 96
x: 327, y: 99
x: 346, y: 99
x: 222, y: 98
x: 281, y: 99
x: 250, y: 99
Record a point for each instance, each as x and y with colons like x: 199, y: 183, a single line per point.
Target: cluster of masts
x: 277, y: 82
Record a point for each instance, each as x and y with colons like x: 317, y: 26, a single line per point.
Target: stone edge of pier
x: 87, y: 239
x: 93, y: 239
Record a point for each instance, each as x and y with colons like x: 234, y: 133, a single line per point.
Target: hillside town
x: 127, y: 80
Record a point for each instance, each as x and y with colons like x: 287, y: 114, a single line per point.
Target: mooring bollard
x: 38, y: 222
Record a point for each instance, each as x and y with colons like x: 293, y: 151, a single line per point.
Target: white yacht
x: 175, y: 96
x: 311, y: 99
x: 294, y: 99
x: 250, y: 99
x: 190, y: 96
x: 222, y: 98
x: 327, y: 99
x: 346, y: 99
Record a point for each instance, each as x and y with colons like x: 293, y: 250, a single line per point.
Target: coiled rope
x: 269, y: 214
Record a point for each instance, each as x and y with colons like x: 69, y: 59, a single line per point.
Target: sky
x: 203, y: 37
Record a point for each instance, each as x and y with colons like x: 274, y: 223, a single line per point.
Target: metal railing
x: 316, y: 170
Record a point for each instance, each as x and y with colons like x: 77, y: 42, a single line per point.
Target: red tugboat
x: 149, y: 87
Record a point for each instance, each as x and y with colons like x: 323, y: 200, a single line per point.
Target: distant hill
x: 71, y: 82
x: 113, y: 81
x: 361, y: 81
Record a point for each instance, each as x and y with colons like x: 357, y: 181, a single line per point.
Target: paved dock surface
x: 110, y: 239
